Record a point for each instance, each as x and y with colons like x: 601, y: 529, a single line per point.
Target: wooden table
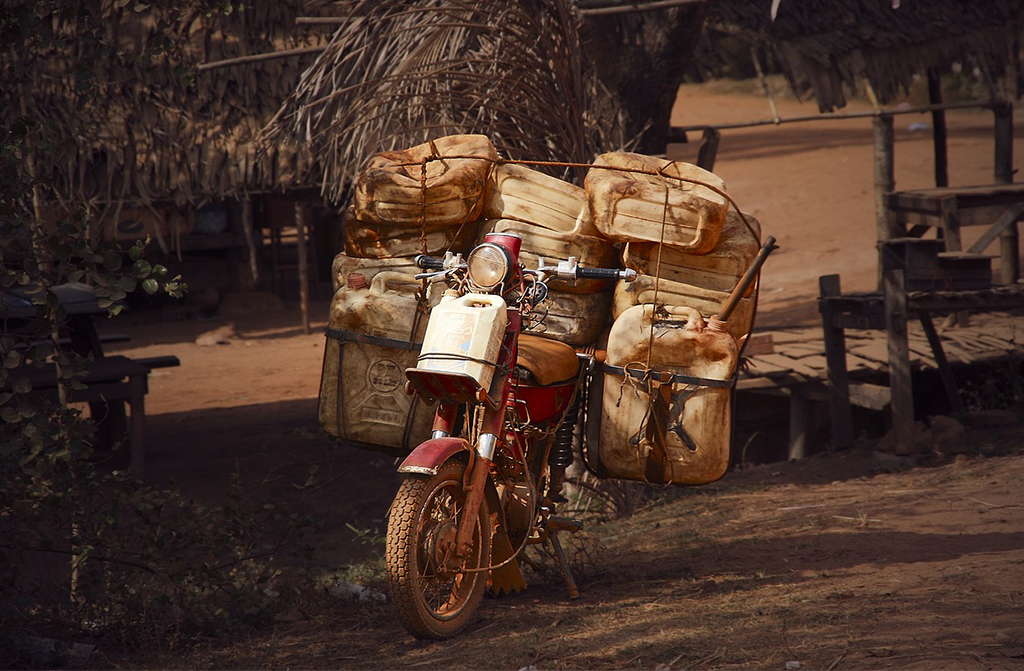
x: 997, y: 206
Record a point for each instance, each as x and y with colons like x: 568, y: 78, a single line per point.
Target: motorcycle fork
x: 479, y: 470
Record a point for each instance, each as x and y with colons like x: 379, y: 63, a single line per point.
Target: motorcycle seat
x: 550, y: 361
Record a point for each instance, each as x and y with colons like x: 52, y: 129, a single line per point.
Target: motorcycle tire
x: 434, y: 602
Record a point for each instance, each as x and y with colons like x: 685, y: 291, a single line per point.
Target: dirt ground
x: 831, y: 562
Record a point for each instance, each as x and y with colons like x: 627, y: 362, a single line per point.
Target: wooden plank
x: 760, y: 367
x: 949, y: 213
x: 873, y: 351
x: 835, y: 353
x: 791, y: 364
x: 899, y: 360
x: 945, y: 373
x: 1010, y: 216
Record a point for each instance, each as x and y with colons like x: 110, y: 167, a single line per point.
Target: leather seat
x: 550, y: 361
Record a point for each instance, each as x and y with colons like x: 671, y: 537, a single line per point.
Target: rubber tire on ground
x: 403, y: 552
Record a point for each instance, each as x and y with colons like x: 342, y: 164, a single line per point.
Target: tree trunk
x: 639, y: 59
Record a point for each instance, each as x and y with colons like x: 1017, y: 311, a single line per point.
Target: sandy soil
x: 822, y: 562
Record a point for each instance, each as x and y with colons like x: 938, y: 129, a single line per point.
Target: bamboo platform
x: 793, y: 363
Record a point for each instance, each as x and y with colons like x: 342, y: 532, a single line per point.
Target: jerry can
x: 379, y: 241
x: 464, y: 336
x: 517, y: 192
x: 718, y: 270
x: 705, y: 301
x: 666, y: 400
x: 395, y: 190
x: 374, y: 333
x: 345, y: 265
x: 576, y: 319
x: 555, y: 246
x: 635, y: 198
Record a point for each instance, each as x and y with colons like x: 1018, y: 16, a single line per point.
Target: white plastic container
x: 673, y: 430
x: 464, y: 335
x: 629, y: 202
x: 517, y: 192
x: 555, y: 246
x: 705, y: 301
x: 576, y: 319
x: 718, y: 270
x: 382, y: 241
x: 389, y: 191
x: 362, y: 385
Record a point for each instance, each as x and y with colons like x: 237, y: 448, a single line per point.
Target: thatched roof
x: 835, y: 42
x: 401, y: 72
x: 154, y: 128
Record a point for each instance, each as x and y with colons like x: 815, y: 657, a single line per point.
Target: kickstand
x: 563, y: 565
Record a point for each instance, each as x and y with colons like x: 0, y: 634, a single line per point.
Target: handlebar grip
x: 429, y: 262
x: 604, y: 274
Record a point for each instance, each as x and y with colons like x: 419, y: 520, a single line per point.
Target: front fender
x: 431, y: 454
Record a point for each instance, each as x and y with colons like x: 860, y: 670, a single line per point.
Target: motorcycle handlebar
x: 429, y: 262
x: 605, y: 274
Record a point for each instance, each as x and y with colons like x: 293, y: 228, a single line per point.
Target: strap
x: 349, y: 336
x: 667, y: 377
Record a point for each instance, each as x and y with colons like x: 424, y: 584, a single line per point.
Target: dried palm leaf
x: 399, y: 73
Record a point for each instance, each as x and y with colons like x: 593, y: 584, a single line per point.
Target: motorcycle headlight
x: 488, y: 266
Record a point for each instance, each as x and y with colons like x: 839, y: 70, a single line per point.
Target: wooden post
x: 708, y: 148
x: 938, y: 129
x: 1009, y: 239
x: 885, y: 179
x: 950, y: 215
x: 900, y: 384
x: 835, y: 357
x: 250, y: 242
x: 301, y: 219
x: 800, y: 415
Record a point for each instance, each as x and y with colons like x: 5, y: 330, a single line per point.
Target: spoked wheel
x: 436, y: 594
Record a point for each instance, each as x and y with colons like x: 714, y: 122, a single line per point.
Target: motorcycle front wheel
x: 435, y: 595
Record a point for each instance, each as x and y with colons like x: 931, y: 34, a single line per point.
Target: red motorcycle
x: 484, y: 485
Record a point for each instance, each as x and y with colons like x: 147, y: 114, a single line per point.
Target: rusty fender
x: 427, y: 457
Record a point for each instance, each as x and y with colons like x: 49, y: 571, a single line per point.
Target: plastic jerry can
x: 395, y: 190
x: 345, y: 265
x: 576, y: 319
x: 590, y: 252
x: 628, y: 205
x: 464, y: 336
x: 373, y: 335
x: 718, y: 270
x: 666, y: 415
x: 517, y: 192
x: 382, y: 241
x: 705, y: 301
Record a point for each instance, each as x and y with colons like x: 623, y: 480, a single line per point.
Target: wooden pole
x: 250, y: 242
x: 835, y: 358
x: 900, y: 383
x: 1009, y: 239
x: 885, y: 179
x: 938, y: 129
x: 301, y: 219
x: 708, y: 149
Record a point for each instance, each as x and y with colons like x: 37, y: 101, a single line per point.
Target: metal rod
x: 733, y: 300
x: 260, y: 57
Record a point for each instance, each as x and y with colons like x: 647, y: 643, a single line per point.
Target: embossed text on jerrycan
x: 373, y: 335
x: 641, y: 198
x: 666, y: 415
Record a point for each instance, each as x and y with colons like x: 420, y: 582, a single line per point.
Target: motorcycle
x: 485, y: 484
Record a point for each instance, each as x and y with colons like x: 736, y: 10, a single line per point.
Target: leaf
x: 142, y: 269
x: 159, y: 271
x: 140, y: 7
x: 10, y: 415
x: 104, y: 303
x: 12, y: 359
x: 150, y: 286
x: 135, y: 253
x: 112, y: 260
x: 21, y: 385
x: 121, y: 4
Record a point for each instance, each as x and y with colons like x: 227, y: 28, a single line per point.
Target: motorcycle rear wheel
x: 435, y: 600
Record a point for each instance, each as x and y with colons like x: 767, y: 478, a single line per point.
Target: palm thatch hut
x: 124, y: 121
x: 887, y: 43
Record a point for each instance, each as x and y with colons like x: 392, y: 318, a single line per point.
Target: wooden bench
x: 111, y: 379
